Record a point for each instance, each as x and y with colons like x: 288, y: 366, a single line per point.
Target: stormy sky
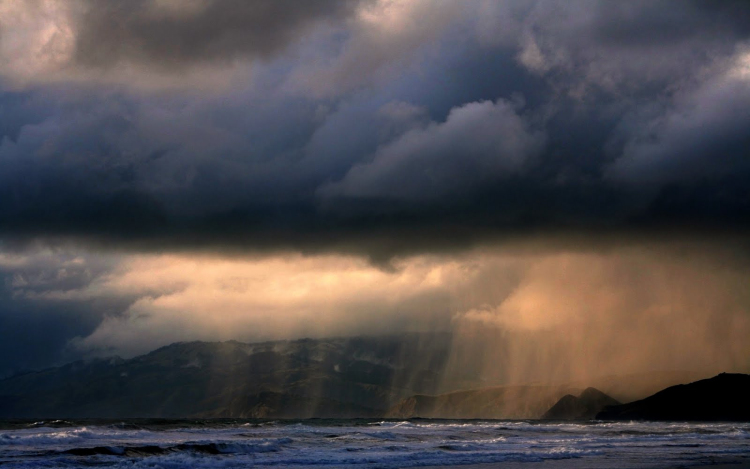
x: 218, y: 169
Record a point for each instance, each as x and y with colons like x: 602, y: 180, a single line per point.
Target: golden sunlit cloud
x: 560, y: 315
x: 184, y: 297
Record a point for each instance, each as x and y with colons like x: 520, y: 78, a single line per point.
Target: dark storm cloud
x: 702, y: 134
x: 403, y: 128
x: 504, y: 120
x: 630, y: 47
x: 174, y: 34
x: 37, y: 321
x: 491, y: 138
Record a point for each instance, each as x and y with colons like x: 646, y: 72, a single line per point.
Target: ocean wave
x: 202, y: 447
x: 47, y: 437
x: 388, y: 444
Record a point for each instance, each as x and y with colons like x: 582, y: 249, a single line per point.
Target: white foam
x: 388, y: 444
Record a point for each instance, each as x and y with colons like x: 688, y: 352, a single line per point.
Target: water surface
x: 367, y: 443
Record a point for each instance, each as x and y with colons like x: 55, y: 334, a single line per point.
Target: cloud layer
x: 386, y: 130
x: 554, y: 315
x: 333, y: 122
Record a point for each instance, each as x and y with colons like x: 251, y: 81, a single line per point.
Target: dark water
x: 365, y: 443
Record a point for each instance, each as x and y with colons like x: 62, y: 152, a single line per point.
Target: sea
x: 369, y: 444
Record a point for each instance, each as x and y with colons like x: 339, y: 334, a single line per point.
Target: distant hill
x: 725, y: 397
x: 590, y: 402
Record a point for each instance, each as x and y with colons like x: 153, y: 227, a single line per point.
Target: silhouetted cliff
x: 723, y: 397
x: 590, y: 402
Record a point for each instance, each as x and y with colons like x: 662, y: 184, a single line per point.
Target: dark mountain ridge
x: 725, y: 397
x: 343, y: 377
x: 401, y: 376
x: 590, y: 402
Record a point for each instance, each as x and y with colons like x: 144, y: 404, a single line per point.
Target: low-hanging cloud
x: 35, y: 331
x: 525, y: 315
x: 562, y: 185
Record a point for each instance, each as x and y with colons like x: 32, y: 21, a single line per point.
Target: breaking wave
x: 385, y: 444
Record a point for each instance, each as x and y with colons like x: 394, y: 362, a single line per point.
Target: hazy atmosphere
x: 560, y: 185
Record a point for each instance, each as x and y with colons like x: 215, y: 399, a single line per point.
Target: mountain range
x: 401, y: 376
x: 343, y: 377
